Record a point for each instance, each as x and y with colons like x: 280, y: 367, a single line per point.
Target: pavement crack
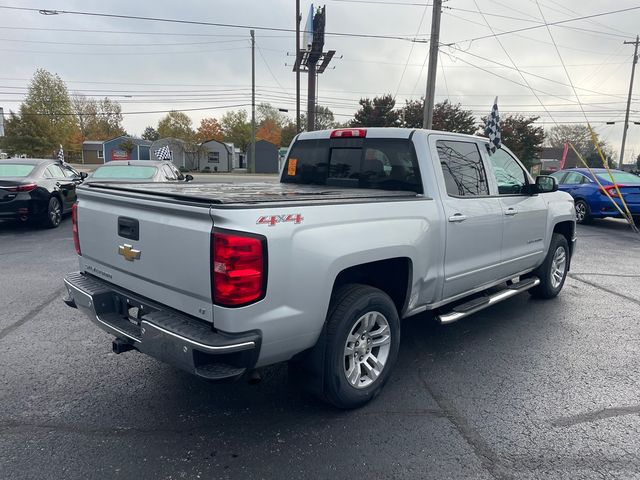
x: 605, y: 289
x: 31, y: 313
x: 595, y: 416
x: 488, y: 458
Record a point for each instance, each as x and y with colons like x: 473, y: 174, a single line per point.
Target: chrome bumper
x: 174, y: 338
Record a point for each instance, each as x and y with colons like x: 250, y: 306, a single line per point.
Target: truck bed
x: 229, y: 194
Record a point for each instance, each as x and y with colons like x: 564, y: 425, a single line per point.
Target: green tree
x: 266, y: 112
x: 580, y: 137
x: 446, y: 116
x: 48, y: 97
x: 289, y: 131
x: 521, y: 136
x: 176, y: 125
x: 577, y: 135
x: 150, y: 134
x: 97, y: 119
x: 324, y: 119
x: 28, y: 133
x: 379, y: 112
x: 236, y: 128
x: 638, y: 163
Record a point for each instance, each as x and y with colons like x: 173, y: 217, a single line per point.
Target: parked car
x: 366, y: 227
x: 591, y: 201
x: 37, y: 189
x: 138, y: 171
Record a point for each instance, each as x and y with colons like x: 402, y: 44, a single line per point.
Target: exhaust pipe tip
x: 254, y: 377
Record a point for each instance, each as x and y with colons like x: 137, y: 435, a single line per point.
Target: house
x: 184, y: 155
x: 126, y: 148
x: 266, y: 157
x: 216, y: 156
x: 92, y: 152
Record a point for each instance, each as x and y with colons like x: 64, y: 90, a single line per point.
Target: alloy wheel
x: 558, y: 266
x: 367, y: 349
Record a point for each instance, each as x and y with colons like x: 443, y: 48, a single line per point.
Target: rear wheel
x: 583, y: 212
x: 54, y: 213
x: 553, y: 271
x: 362, y: 343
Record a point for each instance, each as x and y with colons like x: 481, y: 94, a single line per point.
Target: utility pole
x: 434, y: 41
x: 298, y: 18
x: 252, y: 166
x: 626, y: 117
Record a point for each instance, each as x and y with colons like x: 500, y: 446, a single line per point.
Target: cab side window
x: 462, y: 167
x: 508, y: 173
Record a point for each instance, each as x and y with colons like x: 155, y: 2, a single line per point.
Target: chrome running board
x: 477, y: 304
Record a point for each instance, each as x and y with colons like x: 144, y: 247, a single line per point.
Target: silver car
x: 138, y: 171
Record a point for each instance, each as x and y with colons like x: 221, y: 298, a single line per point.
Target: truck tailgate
x: 157, y: 249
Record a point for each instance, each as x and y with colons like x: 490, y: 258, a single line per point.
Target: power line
x: 118, y: 44
x: 195, y: 22
x: 133, y: 54
x: 404, y: 70
x: 524, y: 79
x: 559, y: 22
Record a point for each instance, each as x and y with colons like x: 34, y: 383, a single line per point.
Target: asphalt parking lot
x: 527, y: 389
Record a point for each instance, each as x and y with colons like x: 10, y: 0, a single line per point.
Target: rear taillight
x: 74, y: 227
x: 27, y: 187
x: 238, y: 270
x: 611, y: 190
x: 349, y: 132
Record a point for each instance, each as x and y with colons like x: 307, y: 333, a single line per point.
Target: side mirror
x: 188, y: 178
x: 546, y: 184
x: 83, y: 175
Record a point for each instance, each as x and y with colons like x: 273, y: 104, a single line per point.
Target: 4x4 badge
x: 128, y: 252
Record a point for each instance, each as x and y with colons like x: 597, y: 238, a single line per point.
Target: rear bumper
x: 604, y: 208
x: 163, y: 333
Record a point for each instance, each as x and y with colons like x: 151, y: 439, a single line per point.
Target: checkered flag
x: 163, y: 153
x: 492, y: 129
x: 61, y: 155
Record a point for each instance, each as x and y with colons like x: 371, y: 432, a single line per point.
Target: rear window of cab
x: 375, y: 163
x: 15, y: 169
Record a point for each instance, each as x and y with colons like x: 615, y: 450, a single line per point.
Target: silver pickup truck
x: 366, y: 227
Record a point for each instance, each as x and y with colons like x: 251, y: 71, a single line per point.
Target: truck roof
x: 382, y: 132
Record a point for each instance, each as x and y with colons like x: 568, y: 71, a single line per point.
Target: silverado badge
x: 128, y: 252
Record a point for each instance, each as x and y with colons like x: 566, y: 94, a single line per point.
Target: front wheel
x: 553, y: 271
x: 362, y: 343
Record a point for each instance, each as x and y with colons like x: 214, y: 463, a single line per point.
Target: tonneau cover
x: 252, y: 193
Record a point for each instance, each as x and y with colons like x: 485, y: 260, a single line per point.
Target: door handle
x: 511, y: 211
x: 458, y: 217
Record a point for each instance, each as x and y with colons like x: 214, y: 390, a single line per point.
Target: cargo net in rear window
x: 385, y: 164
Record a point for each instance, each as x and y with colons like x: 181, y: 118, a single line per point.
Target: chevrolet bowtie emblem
x: 128, y: 252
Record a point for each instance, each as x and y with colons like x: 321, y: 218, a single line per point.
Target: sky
x: 151, y: 67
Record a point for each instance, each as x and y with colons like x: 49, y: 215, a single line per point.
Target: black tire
x: 347, y: 311
x: 583, y: 213
x: 550, y: 287
x: 53, y: 215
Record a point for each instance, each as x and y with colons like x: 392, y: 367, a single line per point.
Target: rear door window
x: 386, y: 164
x: 464, y: 174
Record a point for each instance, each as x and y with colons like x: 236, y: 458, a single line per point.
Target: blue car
x: 590, y: 199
